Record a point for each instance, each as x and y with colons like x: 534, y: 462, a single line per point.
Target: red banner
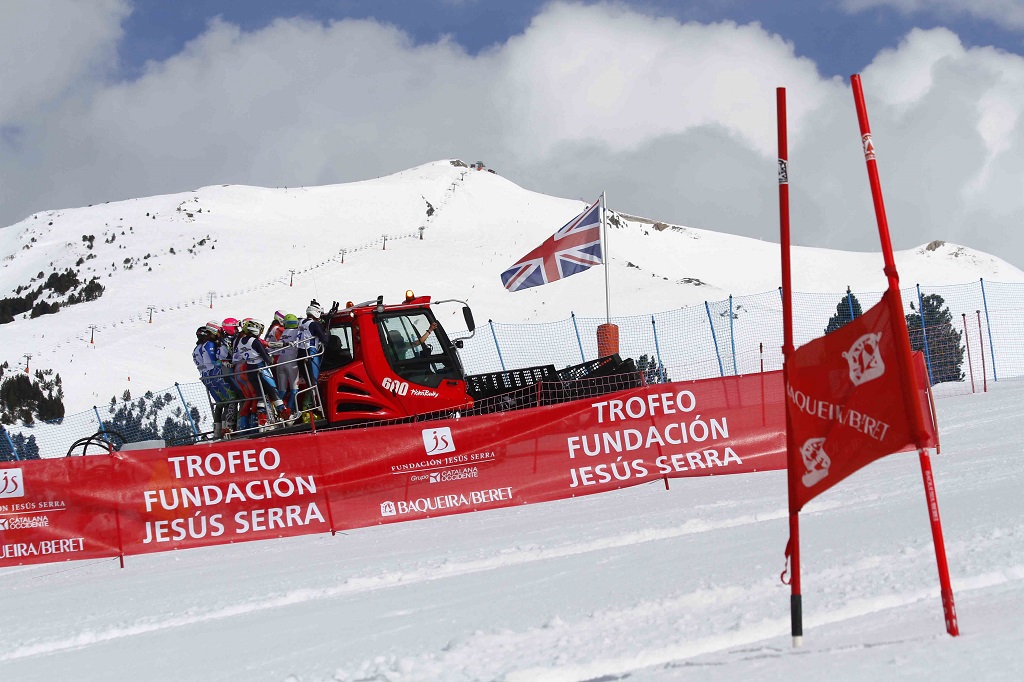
x: 233, y: 491
x: 57, y: 510
x: 846, y: 403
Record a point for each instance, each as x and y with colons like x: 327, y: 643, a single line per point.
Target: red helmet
x: 229, y: 326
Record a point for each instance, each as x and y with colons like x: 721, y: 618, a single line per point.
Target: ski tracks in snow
x: 441, y: 570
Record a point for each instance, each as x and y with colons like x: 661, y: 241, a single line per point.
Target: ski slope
x: 235, y: 248
x: 642, y: 584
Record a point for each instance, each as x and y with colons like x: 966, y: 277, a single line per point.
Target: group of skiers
x: 235, y: 358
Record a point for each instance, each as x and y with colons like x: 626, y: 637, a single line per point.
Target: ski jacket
x: 250, y: 350
x: 225, y: 349
x: 205, y: 357
x: 274, y: 331
x: 289, y: 339
x: 312, y: 336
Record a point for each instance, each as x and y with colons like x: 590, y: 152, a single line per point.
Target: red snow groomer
x: 389, y: 362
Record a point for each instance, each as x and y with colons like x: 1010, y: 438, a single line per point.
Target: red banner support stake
x: 908, y: 378
x: 117, y: 504
x: 981, y: 342
x: 323, y: 482
x: 793, y: 548
x: 970, y: 366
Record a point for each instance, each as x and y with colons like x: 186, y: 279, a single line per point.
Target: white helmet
x: 314, y: 310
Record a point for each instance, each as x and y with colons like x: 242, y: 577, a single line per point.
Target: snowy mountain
x: 249, y: 251
x: 640, y: 584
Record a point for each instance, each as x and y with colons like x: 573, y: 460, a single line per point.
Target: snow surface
x: 640, y: 584
x: 479, y: 225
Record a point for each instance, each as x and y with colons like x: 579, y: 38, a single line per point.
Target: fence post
x: 10, y: 442
x: 707, y: 309
x: 988, y: 323
x: 849, y: 302
x: 195, y: 431
x: 583, y: 358
x: 924, y: 335
x: 103, y: 429
x: 657, y: 351
x: 496, y: 346
x: 732, y: 337
x: 970, y: 365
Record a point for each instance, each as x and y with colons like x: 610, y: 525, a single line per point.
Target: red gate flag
x: 575, y: 247
x: 846, y: 405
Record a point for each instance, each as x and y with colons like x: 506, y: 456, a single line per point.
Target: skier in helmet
x: 252, y: 361
x: 210, y: 369
x: 287, y: 361
x: 276, y: 327
x: 225, y: 351
x: 312, y: 340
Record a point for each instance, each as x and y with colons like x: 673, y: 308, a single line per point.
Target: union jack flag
x: 574, y: 248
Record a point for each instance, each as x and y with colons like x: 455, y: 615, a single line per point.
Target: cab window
x: 416, y: 355
x: 339, y: 347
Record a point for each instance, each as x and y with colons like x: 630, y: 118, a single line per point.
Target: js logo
x: 12, y: 483
x: 438, y: 441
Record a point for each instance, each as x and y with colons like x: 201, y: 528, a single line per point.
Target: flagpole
x: 604, y: 255
x: 793, y: 547
x: 908, y: 378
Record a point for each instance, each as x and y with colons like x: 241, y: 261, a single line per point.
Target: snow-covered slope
x: 237, y: 246
x: 641, y: 585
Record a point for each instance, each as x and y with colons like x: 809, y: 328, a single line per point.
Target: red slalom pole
x: 907, y: 378
x: 793, y: 547
x: 948, y: 605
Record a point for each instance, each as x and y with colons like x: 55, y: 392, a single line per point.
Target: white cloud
x: 48, y: 46
x: 676, y: 121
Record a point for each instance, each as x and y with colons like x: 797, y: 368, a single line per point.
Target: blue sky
x: 840, y: 41
x: 667, y: 106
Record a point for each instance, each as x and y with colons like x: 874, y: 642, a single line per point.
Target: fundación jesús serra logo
x: 438, y: 441
x: 12, y: 483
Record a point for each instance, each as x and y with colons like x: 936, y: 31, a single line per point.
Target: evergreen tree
x: 27, y: 448
x: 139, y: 420
x: 26, y: 400
x: 654, y: 372
x: 843, y: 315
x: 944, y: 349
